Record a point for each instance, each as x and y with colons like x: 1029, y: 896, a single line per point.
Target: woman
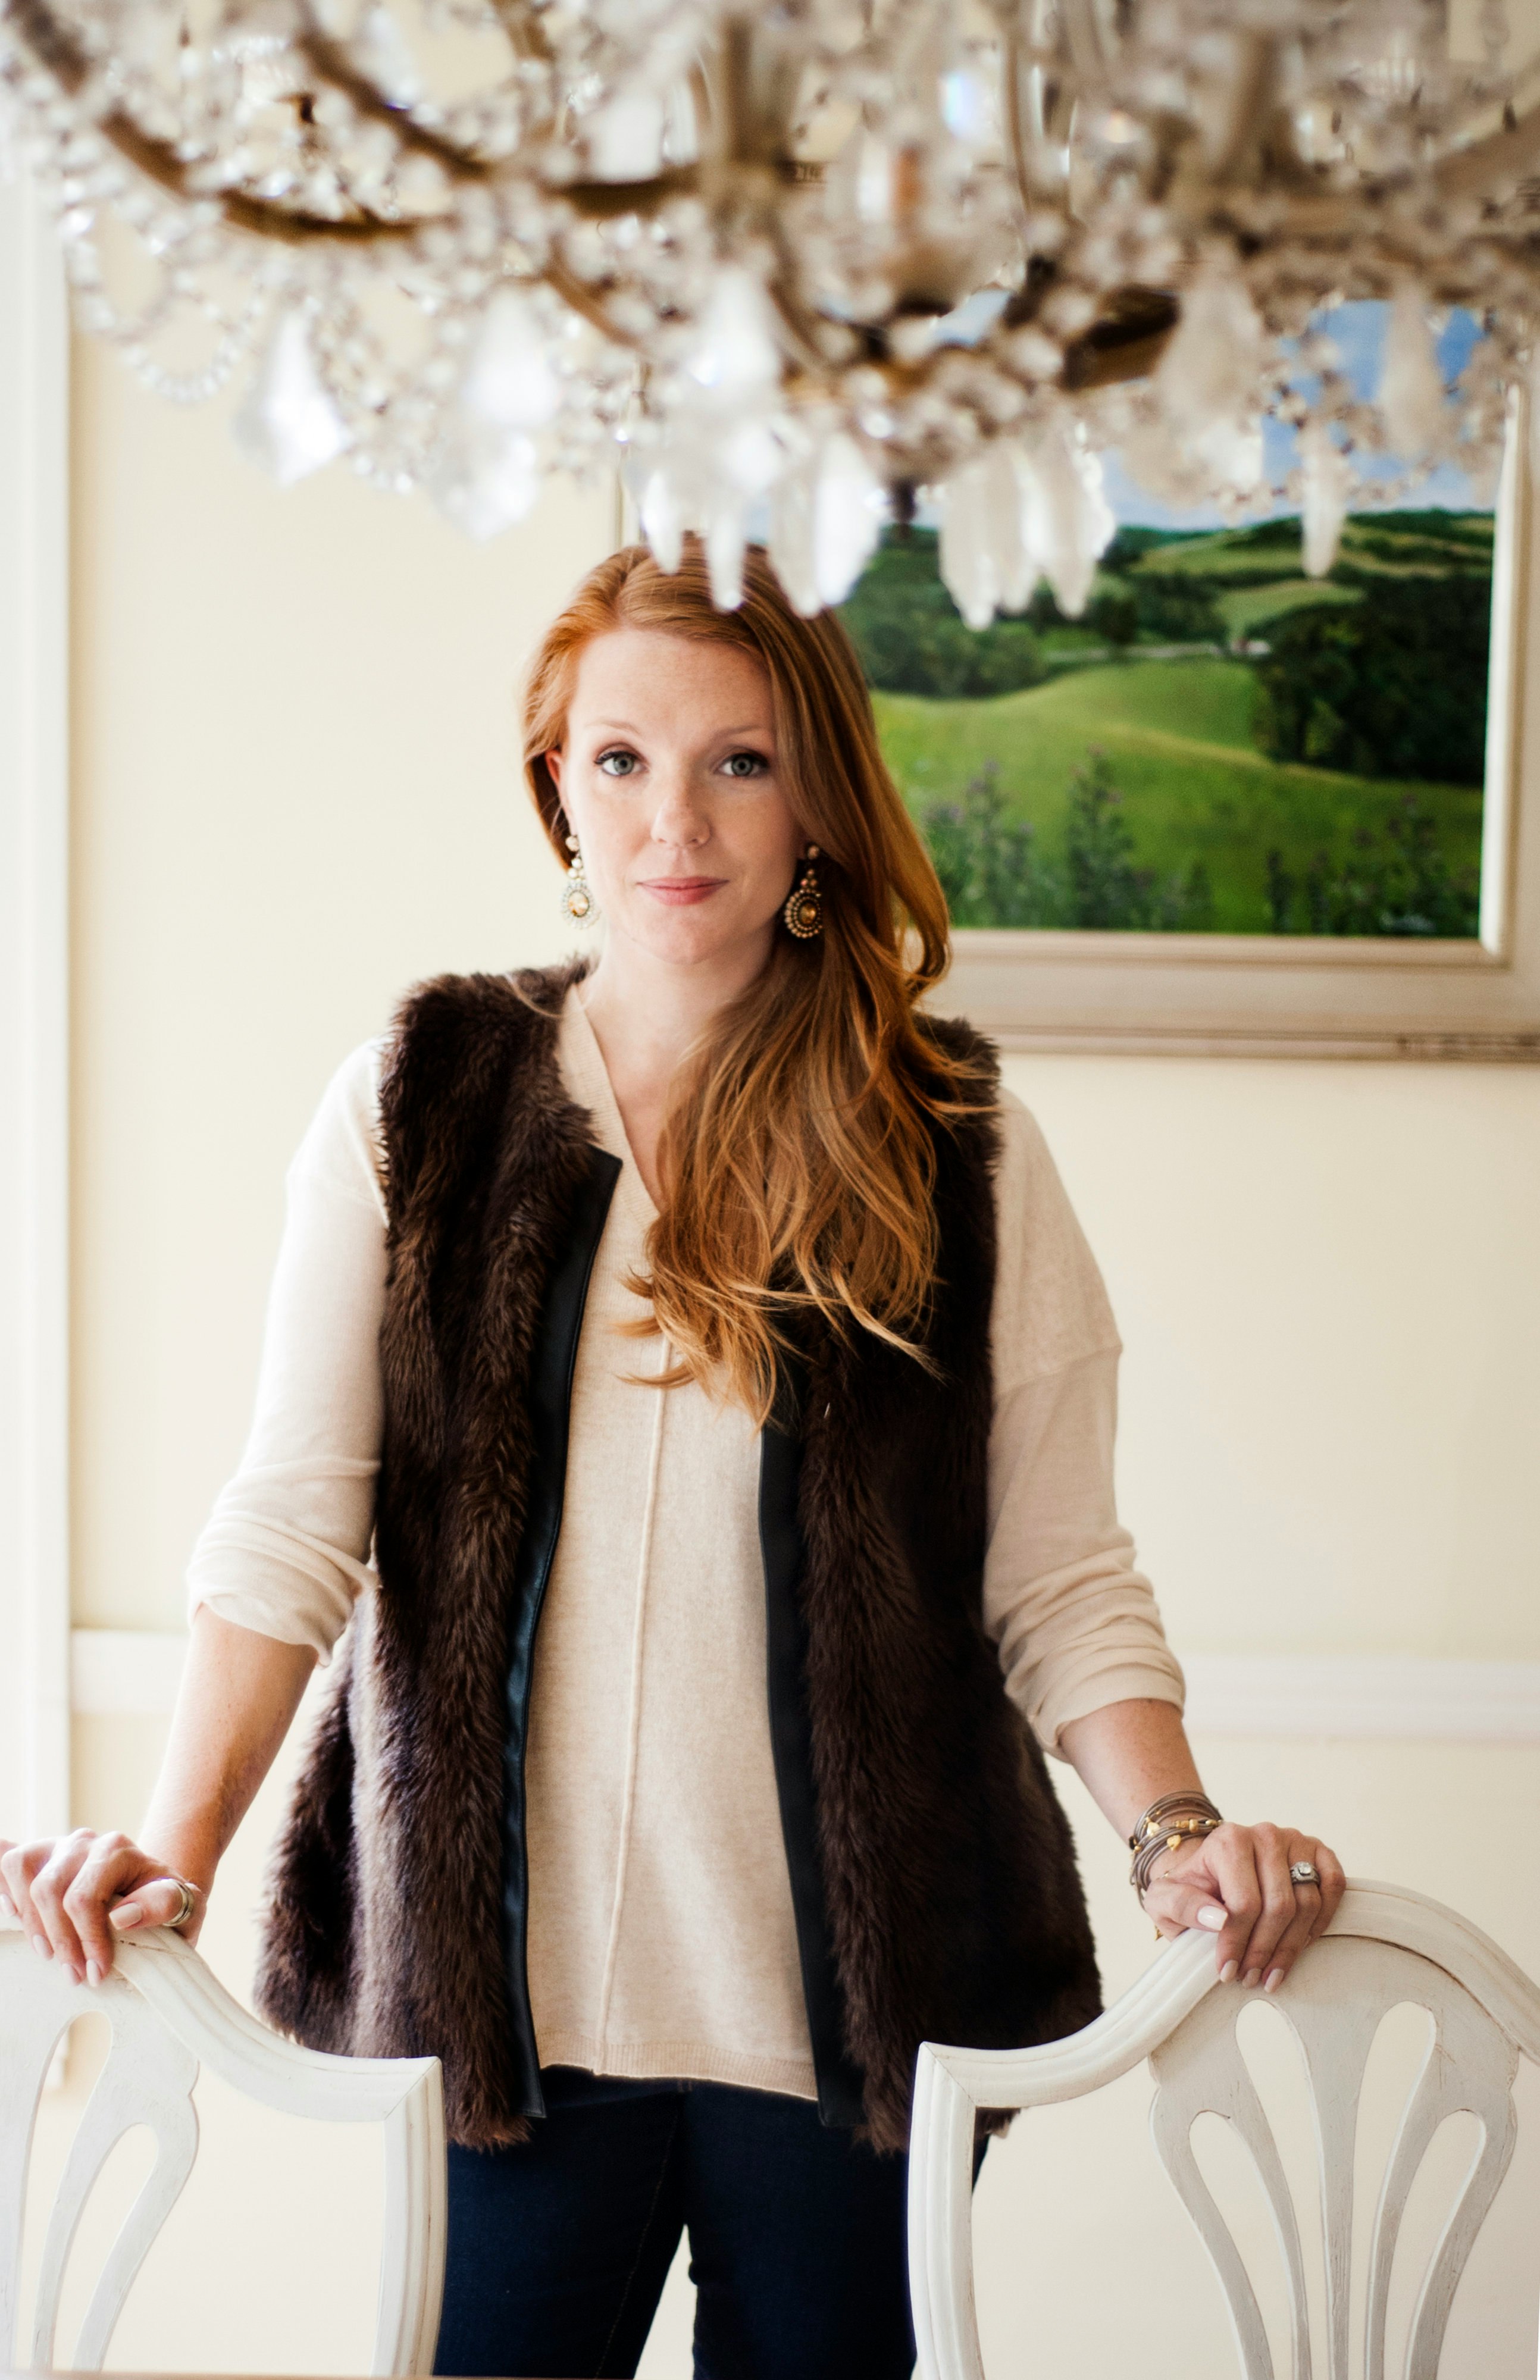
x: 706, y: 1346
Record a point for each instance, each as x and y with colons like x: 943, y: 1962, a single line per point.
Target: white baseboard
x: 1369, y: 1695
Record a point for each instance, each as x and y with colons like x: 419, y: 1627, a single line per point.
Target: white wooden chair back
x: 167, y: 2014
x: 1385, y: 1948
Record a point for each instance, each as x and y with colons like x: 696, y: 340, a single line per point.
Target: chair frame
x: 199, y: 2023
x: 952, y: 2083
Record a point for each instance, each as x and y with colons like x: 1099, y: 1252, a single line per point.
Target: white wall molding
x: 127, y: 1672
x: 136, y: 1672
x: 1363, y: 1695
x: 34, y: 1019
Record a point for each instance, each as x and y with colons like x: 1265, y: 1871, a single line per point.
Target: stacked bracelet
x: 1174, y: 1820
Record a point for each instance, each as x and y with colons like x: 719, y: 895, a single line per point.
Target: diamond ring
x: 1304, y: 1872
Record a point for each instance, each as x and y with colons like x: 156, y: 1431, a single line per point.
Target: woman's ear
x: 553, y: 766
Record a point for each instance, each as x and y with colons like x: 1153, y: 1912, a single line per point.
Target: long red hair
x: 798, y: 1159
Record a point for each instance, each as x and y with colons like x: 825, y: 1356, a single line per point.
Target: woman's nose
x: 678, y: 818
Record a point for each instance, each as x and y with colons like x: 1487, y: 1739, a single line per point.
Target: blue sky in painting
x: 1358, y: 332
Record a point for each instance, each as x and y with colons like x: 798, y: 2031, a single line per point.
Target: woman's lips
x: 678, y: 891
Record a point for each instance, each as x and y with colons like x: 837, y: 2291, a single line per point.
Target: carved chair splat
x: 168, y: 2015
x: 1387, y: 1948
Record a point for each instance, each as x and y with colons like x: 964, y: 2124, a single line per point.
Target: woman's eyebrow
x: 625, y: 726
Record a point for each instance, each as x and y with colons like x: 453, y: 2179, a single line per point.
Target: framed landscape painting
x: 1234, y: 806
x: 1218, y: 744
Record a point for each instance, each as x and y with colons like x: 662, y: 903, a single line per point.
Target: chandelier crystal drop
x: 799, y: 264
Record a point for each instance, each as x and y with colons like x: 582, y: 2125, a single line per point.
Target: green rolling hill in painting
x: 1220, y: 744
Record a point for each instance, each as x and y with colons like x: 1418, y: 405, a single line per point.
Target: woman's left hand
x: 1235, y: 1883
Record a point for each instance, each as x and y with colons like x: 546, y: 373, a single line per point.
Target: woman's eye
x: 746, y: 764
x: 618, y: 764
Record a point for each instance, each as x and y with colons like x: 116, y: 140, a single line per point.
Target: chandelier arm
x: 1522, y: 84
x: 263, y: 220
x: 798, y: 320
x: 746, y: 144
x: 1333, y: 218
x: 1011, y: 66
x: 331, y: 63
x: 1125, y: 344
x: 1011, y: 79
x: 63, y: 58
x: 700, y: 100
x: 586, y: 301
x: 527, y: 35
x: 158, y: 161
x: 734, y: 89
x: 526, y: 39
x: 603, y: 201
x: 1084, y: 41
x: 1251, y: 97
x: 794, y: 320
x: 1500, y: 156
x: 712, y: 105
x: 596, y: 200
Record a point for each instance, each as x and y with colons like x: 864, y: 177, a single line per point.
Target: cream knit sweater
x: 661, y: 1939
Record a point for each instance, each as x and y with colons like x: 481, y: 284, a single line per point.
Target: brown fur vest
x: 933, y: 1871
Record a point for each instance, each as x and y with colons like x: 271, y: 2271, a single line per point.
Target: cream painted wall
x: 1327, y: 1280
x: 297, y: 792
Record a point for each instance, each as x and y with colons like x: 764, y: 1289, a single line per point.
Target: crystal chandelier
x: 797, y: 262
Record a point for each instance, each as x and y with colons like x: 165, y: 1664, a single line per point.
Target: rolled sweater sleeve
x: 1076, y: 1622
x: 285, y: 1549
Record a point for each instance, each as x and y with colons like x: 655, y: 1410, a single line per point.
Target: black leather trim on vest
x: 550, y: 1411
x: 781, y: 1548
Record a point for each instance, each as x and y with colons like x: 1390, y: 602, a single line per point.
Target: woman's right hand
x: 79, y: 1893
x: 76, y: 1894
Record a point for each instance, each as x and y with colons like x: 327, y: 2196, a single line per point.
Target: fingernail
x: 41, y: 1944
x: 73, y: 1971
x: 1275, y: 1976
x: 128, y: 1913
x: 1229, y: 1971
x: 1254, y: 1975
x: 1212, y: 1919
x: 93, y: 1973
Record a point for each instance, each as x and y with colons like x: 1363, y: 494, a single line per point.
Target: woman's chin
x: 698, y: 935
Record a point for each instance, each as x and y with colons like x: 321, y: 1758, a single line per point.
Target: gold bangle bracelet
x: 1172, y: 1820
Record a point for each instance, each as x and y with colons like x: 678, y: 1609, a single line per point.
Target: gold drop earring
x: 578, y: 901
x: 803, y: 914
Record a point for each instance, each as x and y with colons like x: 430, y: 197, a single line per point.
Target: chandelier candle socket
x: 796, y: 266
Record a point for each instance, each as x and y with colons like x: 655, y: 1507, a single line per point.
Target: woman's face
x: 668, y: 778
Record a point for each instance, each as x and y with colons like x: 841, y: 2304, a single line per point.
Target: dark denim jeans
x: 558, y: 2250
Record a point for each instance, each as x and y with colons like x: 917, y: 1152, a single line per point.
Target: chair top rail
x: 1168, y: 1990
x: 242, y: 2051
